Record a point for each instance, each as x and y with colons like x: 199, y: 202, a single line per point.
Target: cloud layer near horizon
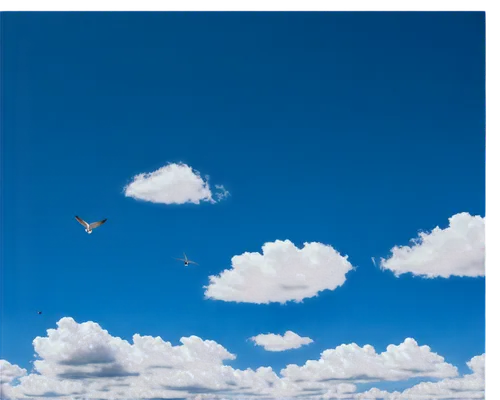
x: 456, y: 250
x: 281, y: 273
x: 83, y: 361
x: 174, y: 184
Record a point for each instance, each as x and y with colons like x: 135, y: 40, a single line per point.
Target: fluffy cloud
x: 83, y: 361
x: 375, y: 394
x: 457, y: 250
x: 363, y: 364
x: 476, y: 365
x: 86, y: 350
x: 272, y: 342
x: 470, y: 386
x: 9, y: 372
x: 5, y: 391
x: 39, y: 386
x: 173, y: 184
x: 281, y: 273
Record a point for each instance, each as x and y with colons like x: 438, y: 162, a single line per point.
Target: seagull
x: 186, y: 261
x: 89, y: 227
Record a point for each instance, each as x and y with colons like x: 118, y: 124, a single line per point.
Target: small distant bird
x: 186, y: 261
x: 39, y: 312
x: 89, y: 227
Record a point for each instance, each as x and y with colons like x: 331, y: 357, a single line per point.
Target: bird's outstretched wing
x: 179, y: 259
x: 81, y: 221
x: 94, y: 225
x: 192, y: 262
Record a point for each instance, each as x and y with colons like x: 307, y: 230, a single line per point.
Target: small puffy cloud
x: 363, y: 364
x: 174, y: 184
x: 456, y: 250
x: 9, y: 372
x: 273, y: 342
x: 221, y: 192
x: 281, y: 273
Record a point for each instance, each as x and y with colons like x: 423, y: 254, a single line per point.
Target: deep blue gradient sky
x: 350, y: 129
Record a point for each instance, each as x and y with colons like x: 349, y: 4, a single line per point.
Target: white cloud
x: 9, y: 372
x: 39, y: 386
x: 281, y: 273
x: 477, y: 364
x: 470, y: 386
x: 173, y: 184
x: 5, y: 391
x: 86, y: 350
x: 221, y: 193
x: 376, y: 394
x: 363, y: 364
x: 273, y: 342
x: 83, y: 361
x: 457, y: 250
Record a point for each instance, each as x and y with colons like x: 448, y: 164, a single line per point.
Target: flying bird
x: 90, y: 227
x: 39, y: 312
x: 186, y: 261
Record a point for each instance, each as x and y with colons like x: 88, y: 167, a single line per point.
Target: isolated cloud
x: 363, y: 364
x: 281, y: 273
x: 83, y: 361
x: 273, y: 342
x: 457, y: 250
x: 173, y: 184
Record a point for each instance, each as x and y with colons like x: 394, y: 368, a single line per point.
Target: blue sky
x: 356, y: 130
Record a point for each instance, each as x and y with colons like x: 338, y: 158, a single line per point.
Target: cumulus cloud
x: 9, y: 372
x: 456, y: 250
x: 273, y: 342
x: 375, y: 394
x: 281, y: 273
x: 86, y: 350
x: 470, y: 386
x: 174, y: 184
x: 83, y: 361
x: 363, y: 364
x: 38, y: 386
